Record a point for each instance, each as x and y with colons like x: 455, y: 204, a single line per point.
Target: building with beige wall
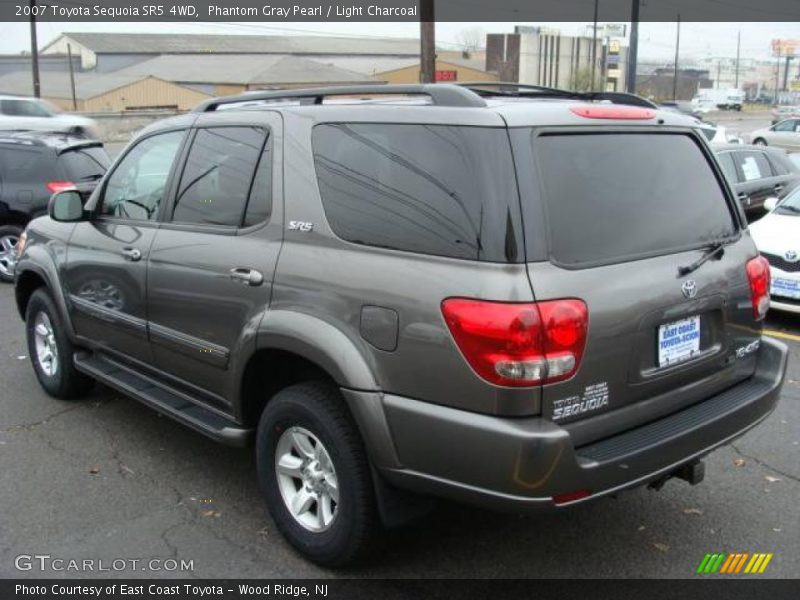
x: 105, y: 93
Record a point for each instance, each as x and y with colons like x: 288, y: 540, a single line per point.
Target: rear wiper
x: 714, y: 248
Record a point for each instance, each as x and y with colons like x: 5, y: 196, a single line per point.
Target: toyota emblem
x: 689, y: 288
x: 792, y: 256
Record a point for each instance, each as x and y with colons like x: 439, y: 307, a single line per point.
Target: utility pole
x: 34, y: 52
x: 786, y: 72
x: 633, y: 51
x: 72, y: 77
x: 778, y: 75
x: 594, y: 41
x: 738, y: 56
x: 427, y: 54
x: 677, y: 55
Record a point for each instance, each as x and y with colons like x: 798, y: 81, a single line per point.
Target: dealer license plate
x: 788, y: 288
x: 678, y: 341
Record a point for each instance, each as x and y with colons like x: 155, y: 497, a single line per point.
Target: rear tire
x: 9, y: 236
x: 314, y: 473
x: 760, y: 142
x: 51, y: 351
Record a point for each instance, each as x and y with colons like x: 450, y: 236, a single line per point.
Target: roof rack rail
x: 440, y: 95
x: 522, y: 90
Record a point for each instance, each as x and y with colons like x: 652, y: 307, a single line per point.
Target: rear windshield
x: 430, y: 189
x: 85, y: 164
x: 612, y: 197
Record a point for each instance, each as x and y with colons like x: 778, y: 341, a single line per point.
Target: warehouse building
x: 105, y: 93
x: 107, y: 52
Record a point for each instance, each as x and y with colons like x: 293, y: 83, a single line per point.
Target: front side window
x: 786, y: 126
x: 136, y: 188
x: 753, y: 165
x: 216, y: 181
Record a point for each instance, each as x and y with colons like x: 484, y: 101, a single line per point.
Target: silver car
x: 33, y: 114
x: 785, y: 134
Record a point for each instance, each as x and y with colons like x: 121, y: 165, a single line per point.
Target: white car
x: 777, y: 236
x: 33, y: 114
x: 785, y: 134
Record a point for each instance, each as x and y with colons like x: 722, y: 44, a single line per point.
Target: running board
x: 164, y: 399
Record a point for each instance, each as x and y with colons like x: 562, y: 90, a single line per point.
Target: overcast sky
x: 657, y: 40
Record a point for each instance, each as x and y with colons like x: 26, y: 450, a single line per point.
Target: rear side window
x: 219, y: 171
x: 85, y: 164
x: 779, y: 166
x: 26, y: 165
x: 614, y: 197
x: 438, y: 190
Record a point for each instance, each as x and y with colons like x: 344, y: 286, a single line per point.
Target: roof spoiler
x: 440, y: 95
x: 523, y: 90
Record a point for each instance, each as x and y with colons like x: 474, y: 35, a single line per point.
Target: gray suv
x: 516, y: 297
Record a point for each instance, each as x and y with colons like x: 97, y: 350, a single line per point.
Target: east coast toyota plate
x: 788, y: 288
x: 678, y: 341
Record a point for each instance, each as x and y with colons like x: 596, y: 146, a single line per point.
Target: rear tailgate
x: 622, y: 211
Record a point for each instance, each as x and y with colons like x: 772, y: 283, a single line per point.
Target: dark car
x: 34, y: 165
x: 520, y: 298
x: 757, y: 173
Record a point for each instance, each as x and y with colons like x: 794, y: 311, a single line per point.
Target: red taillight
x: 759, y: 279
x: 613, y: 112
x: 519, y: 345
x: 58, y: 186
x: 571, y: 496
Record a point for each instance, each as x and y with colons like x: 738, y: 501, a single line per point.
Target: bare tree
x: 471, y: 39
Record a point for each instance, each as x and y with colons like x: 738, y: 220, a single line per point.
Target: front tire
x: 51, y: 351
x: 9, y: 236
x: 314, y: 473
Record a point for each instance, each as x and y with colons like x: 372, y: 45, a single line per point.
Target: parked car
x: 781, y: 113
x: 32, y: 114
x: 34, y: 165
x: 777, y: 236
x: 785, y: 134
x: 526, y: 301
x: 757, y: 173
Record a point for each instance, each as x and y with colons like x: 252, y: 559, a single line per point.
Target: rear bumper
x: 521, y: 463
x: 784, y: 305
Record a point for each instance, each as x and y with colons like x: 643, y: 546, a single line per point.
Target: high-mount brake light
x: 758, y: 276
x: 519, y: 344
x: 59, y: 186
x: 632, y: 113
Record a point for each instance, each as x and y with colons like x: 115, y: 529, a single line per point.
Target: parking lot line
x: 782, y: 335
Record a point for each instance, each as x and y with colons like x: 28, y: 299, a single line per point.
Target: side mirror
x: 66, y: 206
x: 770, y: 204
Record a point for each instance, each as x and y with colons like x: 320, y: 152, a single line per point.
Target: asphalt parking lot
x: 105, y: 477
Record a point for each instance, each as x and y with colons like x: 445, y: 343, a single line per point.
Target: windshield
x: 790, y: 205
x: 618, y: 196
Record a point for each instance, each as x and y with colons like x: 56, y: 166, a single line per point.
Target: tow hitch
x: 693, y: 473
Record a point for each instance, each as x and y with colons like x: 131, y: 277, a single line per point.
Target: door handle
x: 778, y: 188
x: 744, y: 198
x: 132, y: 254
x: 247, y: 276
